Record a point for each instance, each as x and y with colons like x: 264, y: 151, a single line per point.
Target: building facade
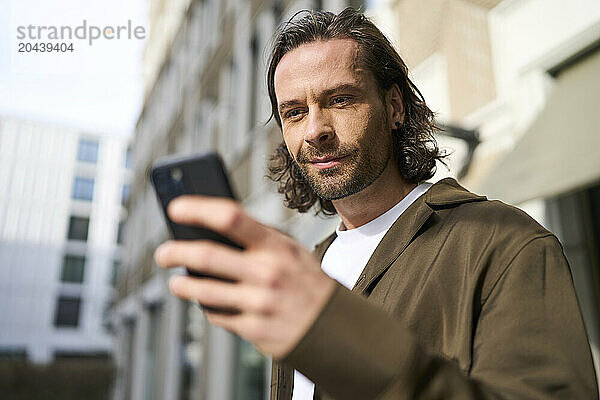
x: 523, y: 74
x: 61, y: 200
x: 209, y: 94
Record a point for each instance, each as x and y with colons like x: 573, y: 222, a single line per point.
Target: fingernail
x: 174, y: 207
x: 174, y: 281
x: 158, y: 254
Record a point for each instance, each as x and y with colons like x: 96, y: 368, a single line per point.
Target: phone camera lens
x: 176, y: 174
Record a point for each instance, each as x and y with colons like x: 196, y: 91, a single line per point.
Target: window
x: 87, y: 150
x: 152, y: 364
x: 78, y: 228
x: 249, y: 372
x: 67, y: 311
x: 120, y: 233
x: 277, y: 11
x: 72, y: 270
x: 13, y: 353
x: 107, y: 324
x: 83, y: 188
x: 129, y: 158
x: 125, y: 193
x: 115, y: 273
x: 255, y: 80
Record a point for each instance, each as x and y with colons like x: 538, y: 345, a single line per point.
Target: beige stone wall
x: 457, y: 29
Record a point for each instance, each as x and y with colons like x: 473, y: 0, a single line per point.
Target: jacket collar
x: 445, y: 193
x: 448, y: 192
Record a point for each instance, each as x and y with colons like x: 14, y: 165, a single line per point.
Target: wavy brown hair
x: 415, y: 148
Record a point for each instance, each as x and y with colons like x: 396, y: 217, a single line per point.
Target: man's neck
x: 380, y: 196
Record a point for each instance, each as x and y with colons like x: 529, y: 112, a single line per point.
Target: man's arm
x: 529, y: 341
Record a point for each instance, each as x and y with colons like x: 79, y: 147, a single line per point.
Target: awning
x: 561, y: 150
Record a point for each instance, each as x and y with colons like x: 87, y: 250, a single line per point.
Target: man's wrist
x: 345, y: 350
x: 323, y: 291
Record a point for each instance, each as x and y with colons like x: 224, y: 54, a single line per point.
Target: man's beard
x: 359, y: 169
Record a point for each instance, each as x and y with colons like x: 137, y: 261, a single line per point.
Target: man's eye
x: 292, y: 113
x: 340, y: 99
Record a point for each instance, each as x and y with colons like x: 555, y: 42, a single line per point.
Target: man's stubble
x: 365, y: 163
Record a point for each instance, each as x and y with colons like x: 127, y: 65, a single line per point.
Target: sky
x: 95, y: 87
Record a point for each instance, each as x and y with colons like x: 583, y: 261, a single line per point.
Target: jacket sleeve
x: 529, y: 343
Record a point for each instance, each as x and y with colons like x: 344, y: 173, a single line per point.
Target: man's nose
x: 318, y: 129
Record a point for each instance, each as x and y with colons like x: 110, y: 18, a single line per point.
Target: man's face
x: 334, y: 123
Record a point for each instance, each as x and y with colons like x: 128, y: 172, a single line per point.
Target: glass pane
x: 193, y: 342
x: 83, y: 188
x: 250, y: 374
x: 129, y: 158
x: 67, y: 311
x: 120, y: 233
x: 125, y: 193
x: 151, y: 365
x: 87, y: 150
x: 78, y: 228
x: 594, y: 194
x: 115, y: 273
x: 73, y: 267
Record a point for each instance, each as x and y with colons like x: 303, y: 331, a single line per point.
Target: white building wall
x: 528, y: 37
x: 38, y: 164
x: 525, y: 31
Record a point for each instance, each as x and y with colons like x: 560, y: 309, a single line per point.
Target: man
x: 453, y: 296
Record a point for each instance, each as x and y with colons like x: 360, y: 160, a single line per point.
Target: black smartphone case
x: 203, y: 175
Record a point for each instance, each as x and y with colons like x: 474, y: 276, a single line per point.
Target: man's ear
x: 395, y: 106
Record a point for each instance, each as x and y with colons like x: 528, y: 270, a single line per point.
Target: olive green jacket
x: 464, y: 298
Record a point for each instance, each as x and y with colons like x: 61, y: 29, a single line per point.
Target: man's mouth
x: 327, y: 162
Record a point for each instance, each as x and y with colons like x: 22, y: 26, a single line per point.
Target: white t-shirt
x: 348, y: 255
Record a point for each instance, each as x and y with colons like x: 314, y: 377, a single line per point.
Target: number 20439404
x: 45, y: 47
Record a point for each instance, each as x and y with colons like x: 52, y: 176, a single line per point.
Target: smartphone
x: 201, y: 174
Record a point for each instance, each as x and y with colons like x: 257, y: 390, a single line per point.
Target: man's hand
x: 278, y: 287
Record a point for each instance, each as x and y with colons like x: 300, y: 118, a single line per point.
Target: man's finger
x: 233, y: 322
x: 206, y: 257
x: 252, y: 328
x: 217, y: 294
x: 219, y: 214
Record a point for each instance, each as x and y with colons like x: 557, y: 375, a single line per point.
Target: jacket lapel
x: 321, y: 248
x: 444, y: 193
x: 393, y: 243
